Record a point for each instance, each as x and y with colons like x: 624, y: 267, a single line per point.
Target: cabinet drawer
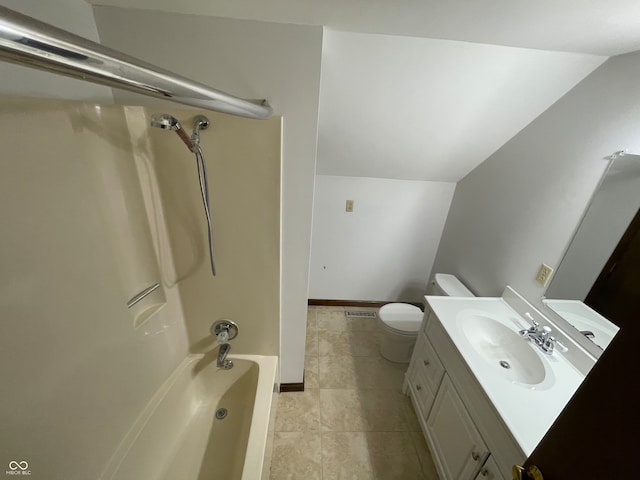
x: 421, y: 391
x: 426, y: 363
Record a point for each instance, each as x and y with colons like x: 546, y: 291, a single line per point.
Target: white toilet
x: 400, y: 322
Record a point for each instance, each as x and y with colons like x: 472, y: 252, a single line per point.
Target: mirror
x: 590, y: 291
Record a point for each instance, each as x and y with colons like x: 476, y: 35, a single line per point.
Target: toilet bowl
x: 400, y: 322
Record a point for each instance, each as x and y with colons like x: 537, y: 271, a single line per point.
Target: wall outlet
x: 544, y: 274
x: 349, y: 206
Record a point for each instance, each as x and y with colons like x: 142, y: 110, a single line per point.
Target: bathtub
x: 178, y: 435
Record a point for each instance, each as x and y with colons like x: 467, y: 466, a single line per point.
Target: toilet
x: 400, y: 322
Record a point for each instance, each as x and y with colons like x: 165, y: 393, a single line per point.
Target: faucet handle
x: 548, y: 345
x: 224, y: 330
x: 223, y: 336
x: 532, y: 329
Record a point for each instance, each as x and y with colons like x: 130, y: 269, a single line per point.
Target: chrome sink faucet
x: 539, y: 335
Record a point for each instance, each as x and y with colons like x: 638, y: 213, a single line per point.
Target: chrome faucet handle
x: 548, y: 345
x: 533, y: 329
x: 226, y: 328
x: 545, y: 331
x: 529, y: 317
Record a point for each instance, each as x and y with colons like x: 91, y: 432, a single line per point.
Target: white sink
x: 506, y: 354
x: 503, y: 349
x: 485, y: 332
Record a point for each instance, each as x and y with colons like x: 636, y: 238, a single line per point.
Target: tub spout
x: 222, y: 356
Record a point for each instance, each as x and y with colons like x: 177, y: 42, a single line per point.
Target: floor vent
x: 360, y: 314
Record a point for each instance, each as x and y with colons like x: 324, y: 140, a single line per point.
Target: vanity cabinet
x: 465, y: 434
x: 453, y: 436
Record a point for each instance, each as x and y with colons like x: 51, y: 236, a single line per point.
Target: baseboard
x: 353, y: 303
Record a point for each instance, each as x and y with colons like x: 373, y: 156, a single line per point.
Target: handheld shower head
x: 168, y: 122
x: 165, y: 121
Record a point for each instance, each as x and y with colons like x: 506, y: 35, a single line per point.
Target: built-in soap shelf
x: 144, y: 304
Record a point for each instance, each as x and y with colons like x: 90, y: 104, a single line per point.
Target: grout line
x: 321, y: 458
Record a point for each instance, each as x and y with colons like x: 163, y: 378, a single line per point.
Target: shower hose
x: 204, y: 190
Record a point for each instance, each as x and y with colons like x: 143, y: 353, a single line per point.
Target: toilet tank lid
x: 401, y: 316
x: 453, y: 287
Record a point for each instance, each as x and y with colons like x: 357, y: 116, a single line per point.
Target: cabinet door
x: 489, y: 471
x: 458, y: 448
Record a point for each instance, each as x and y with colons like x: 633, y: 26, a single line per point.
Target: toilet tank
x: 447, y: 285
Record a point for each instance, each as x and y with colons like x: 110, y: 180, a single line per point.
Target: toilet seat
x: 401, y: 318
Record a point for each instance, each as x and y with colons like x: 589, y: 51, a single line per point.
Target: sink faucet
x: 539, y: 336
x: 588, y: 333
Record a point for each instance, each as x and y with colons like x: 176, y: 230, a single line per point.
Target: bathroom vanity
x: 484, y: 395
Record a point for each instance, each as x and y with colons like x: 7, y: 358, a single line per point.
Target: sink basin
x: 483, y: 332
x: 503, y: 350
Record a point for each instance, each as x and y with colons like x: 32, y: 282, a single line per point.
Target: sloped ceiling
x: 600, y: 27
x: 423, y: 109
x: 395, y: 103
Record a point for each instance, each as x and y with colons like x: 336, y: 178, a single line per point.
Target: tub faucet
x: 224, y: 330
x: 222, y: 356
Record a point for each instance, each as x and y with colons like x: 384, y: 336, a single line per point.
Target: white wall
x: 255, y: 60
x: 521, y: 206
x: 384, y: 249
x: 75, y: 16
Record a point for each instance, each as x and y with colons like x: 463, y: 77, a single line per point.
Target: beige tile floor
x: 352, y: 421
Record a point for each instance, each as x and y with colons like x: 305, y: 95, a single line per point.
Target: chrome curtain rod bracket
x: 32, y: 43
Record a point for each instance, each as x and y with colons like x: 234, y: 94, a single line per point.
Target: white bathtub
x: 178, y: 436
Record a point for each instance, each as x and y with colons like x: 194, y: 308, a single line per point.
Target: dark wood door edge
x: 353, y: 303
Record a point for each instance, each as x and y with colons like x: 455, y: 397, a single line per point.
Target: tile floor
x: 352, y: 421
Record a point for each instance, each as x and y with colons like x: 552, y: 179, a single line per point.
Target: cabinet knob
x: 418, y: 387
x: 475, y: 456
x: 425, y: 362
x: 484, y: 472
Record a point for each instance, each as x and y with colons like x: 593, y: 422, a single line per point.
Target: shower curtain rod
x: 32, y: 43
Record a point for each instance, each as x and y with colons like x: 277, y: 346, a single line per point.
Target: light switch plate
x: 349, y: 206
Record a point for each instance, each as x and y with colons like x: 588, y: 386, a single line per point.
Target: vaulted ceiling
x: 427, y: 90
x: 600, y: 27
